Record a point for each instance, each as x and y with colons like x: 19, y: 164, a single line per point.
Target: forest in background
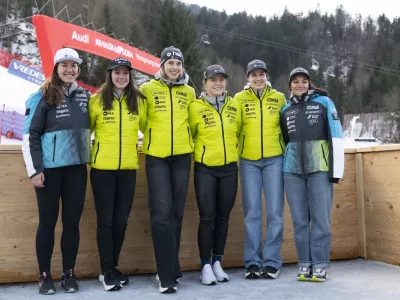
x: 358, y: 56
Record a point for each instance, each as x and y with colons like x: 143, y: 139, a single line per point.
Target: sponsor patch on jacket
x: 27, y: 111
x: 335, y: 116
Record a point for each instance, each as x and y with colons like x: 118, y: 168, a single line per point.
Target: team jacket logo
x: 181, y: 94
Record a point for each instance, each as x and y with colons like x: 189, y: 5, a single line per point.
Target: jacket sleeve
x: 192, y: 120
x: 283, y: 127
x: 142, y: 114
x: 92, y: 113
x: 34, y: 123
x: 336, y: 143
x: 238, y: 118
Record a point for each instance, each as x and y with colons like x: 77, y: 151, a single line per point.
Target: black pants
x: 167, y: 181
x: 69, y: 183
x: 216, y: 189
x: 113, y: 193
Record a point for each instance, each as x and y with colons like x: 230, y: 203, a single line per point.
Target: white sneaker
x: 219, y: 272
x: 207, y: 275
x: 319, y: 275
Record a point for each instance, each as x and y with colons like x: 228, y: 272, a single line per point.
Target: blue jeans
x: 256, y: 175
x: 310, y: 201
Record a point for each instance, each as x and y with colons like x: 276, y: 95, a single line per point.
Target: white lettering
x: 80, y: 37
x: 147, y: 61
x: 112, y: 47
x: 29, y: 71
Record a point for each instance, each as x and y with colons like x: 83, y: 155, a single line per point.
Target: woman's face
x: 173, y: 69
x: 215, y: 85
x: 257, y: 79
x: 120, y: 77
x: 299, y: 85
x: 68, y: 71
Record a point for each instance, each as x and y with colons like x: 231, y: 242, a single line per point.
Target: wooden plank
x: 380, y: 148
x: 362, y: 243
x: 19, y: 220
x: 382, y: 205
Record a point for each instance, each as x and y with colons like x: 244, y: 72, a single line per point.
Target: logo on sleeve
x: 335, y: 116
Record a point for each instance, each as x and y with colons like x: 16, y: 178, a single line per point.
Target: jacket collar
x: 303, y: 98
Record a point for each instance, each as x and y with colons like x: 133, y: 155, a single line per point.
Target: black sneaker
x: 123, y: 279
x: 68, y: 282
x: 177, y: 280
x: 111, y: 281
x: 46, y: 285
x: 167, y: 288
x: 252, y: 272
x: 270, y: 272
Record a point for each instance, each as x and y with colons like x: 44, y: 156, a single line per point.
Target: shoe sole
x: 303, y: 278
x: 49, y: 292
x: 169, y: 290
x: 270, y: 276
x: 112, y: 288
x: 176, y: 280
x: 316, y: 279
x: 209, y: 282
x: 72, y: 290
x: 252, y: 276
x: 223, y: 280
x: 101, y: 279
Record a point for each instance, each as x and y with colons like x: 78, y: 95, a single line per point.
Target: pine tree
x: 176, y: 28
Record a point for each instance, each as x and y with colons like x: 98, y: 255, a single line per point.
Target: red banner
x: 53, y: 34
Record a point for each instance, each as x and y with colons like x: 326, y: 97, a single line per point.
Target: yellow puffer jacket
x: 261, y: 135
x: 116, y: 134
x: 167, y: 130
x: 215, y: 134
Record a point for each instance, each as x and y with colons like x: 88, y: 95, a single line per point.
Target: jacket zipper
x: 97, y: 151
x: 172, y: 121
x: 323, y: 153
x: 120, y: 134
x: 190, y: 143
x: 148, y: 146
x: 262, y: 131
x: 204, y: 152
x: 223, y: 134
x: 54, y: 147
x: 243, y: 144
x: 280, y: 141
x: 262, y: 121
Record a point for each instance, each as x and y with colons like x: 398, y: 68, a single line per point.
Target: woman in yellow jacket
x: 168, y: 146
x: 261, y: 147
x: 115, y: 115
x: 215, y: 123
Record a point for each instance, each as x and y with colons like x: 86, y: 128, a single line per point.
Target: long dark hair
x: 132, y: 94
x: 52, y: 89
x: 318, y: 91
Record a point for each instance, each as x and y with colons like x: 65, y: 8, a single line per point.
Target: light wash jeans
x: 256, y: 175
x: 310, y: 201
